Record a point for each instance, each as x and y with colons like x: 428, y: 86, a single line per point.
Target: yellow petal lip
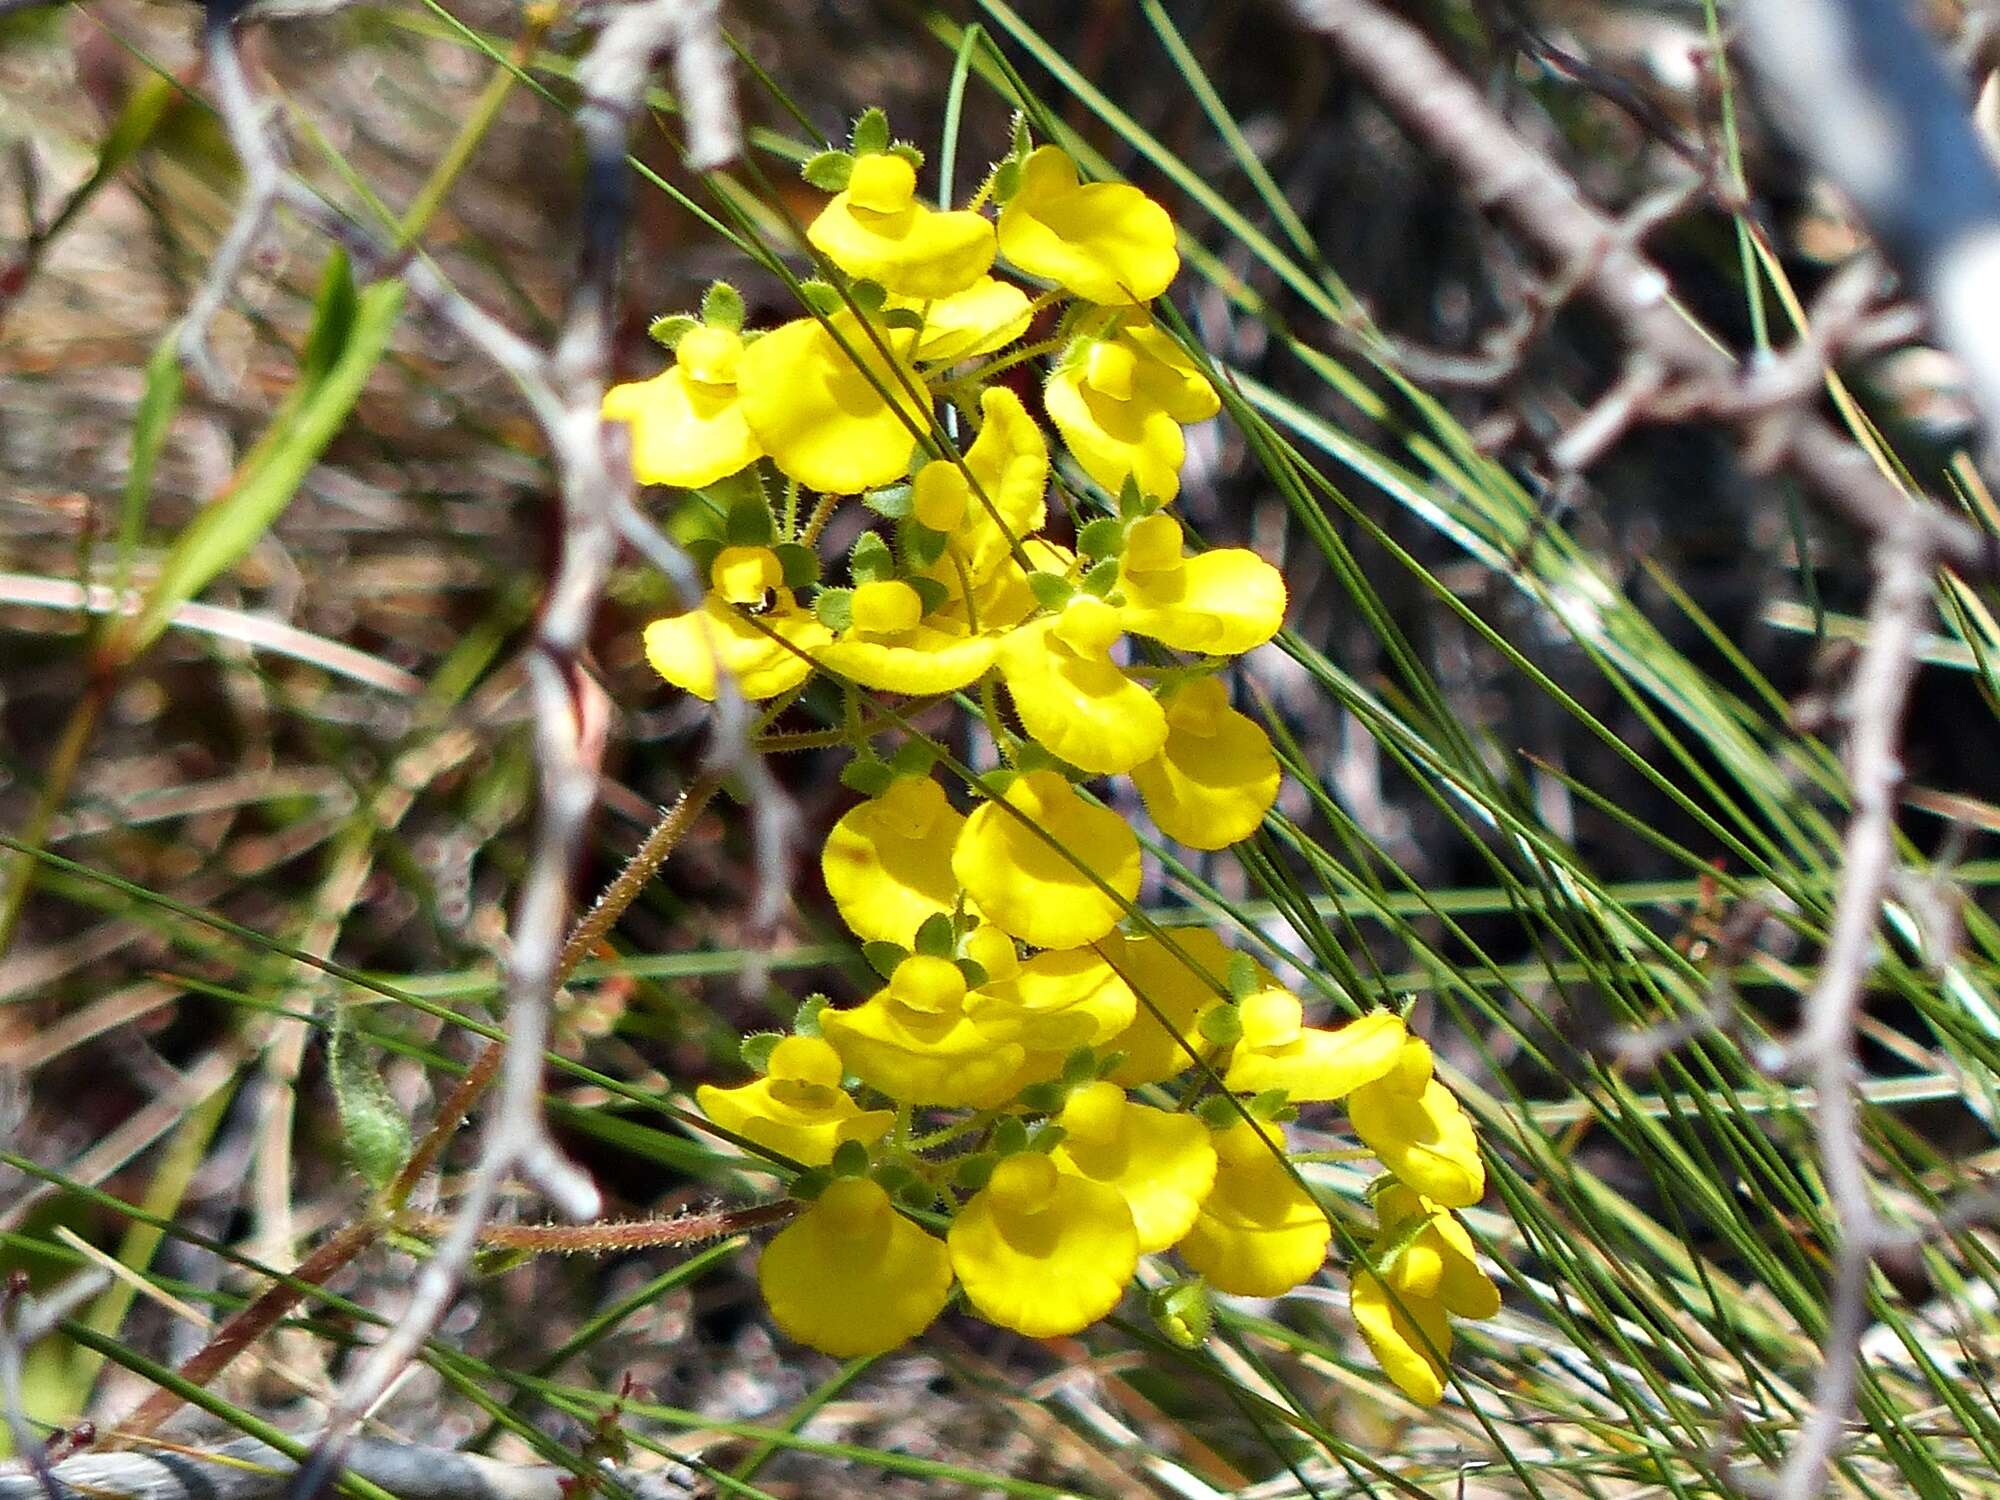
x: 1316, y: 1065
x: 1081, y: 707
x: 1162, y: 1164
x: 831, y: 423
x: 805, y: 1118
x: 1043, y: 1252
x: 683, y: 432
x: 877, y: 229
x: 1409, y: 1336
x: 1055, y: 1002
x: 887, y: 862
x: 851, y: 1276
x: 1258, y: 1234
x: 988, y: 315
x: 1441, y: 1261
x: 1216, y: 776
x: 919, y: 663
x: 919, y: 1057
x: 744, y: 575
x: 1000, y: 499
x: 1113, y: 441
x: 767, y: 654
x: 1033, y: 891
x: 1172, y: 989
x: 1106, y: 242
x: 1420, y: 1132
x: 1222, y: 603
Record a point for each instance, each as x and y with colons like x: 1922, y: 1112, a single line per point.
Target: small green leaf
x: 829, y: 171
x: 1131, y: 503
x: 669, y: 329
x: 1269, y: 1104
x: 1104, y: 537
x: 821, y: 297
x: 1047, y: 1139
x: 805, y: 1020
x: 919, y: 545
x: 333, y: 318
x: 870, y: 133
x: 1245, y: 978
x: 1217, y: 1112
x: 972, y: 1172
x: 914, y: 758
x: 866, y: 775
x: 702, y: 552
x: 750, y: 523
x: 375, y: 1132
x: 1051, y: 590
x: 1080, y: 1067
x: 800, y: 562
x: 902, y: 317
x: 756, y: 1049
x: 1221, y: 1025
x: 810, y: 1183
x: 1006, y: 181
x: 1042, y: 1098
x: 891, y: 500
x: 868, y: 295
x: 1109, y: 1063
x: 917, y: 1194
x: 883, y: 957
x: 1182, y: 1312
x: 933, y: 593
x: 850, y: 1159
x: 936, y: 937
x: 1010, y: 1135
x: 1021, y: 139
x: 975, y: 973
x: 871, y: 561
x: 1034, y: 756
x: 722, y: 306
x: 910, y: 153
x: 1102, y: 578
x: 894, y: 1176
x: 835, y: 608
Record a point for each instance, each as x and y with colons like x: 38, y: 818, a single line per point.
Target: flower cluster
x: 1046, y: 1087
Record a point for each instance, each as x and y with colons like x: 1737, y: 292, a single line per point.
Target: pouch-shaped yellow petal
x: 988, y: 315
x: 1410, y: 1341
x: 767, y: 654
x: 876, y: 228
x: 1055, y: 1002
x: 1181, y: 991
x: 1008, y: 464
x: 1440, y: 1261
x: 922, y: 1058
x: 1163, y: 374
x: 1114, y: 440
x: 1037, y: 892
x: 1163, y: 1164
x: 1079, y: 705
x: 798, y: 1107
x: 1420, y: 1132
x: 826, y: 421
x: 918, y: 662
x: 1258, y: 1234
x: 1216, y: 775
x: 1105, y: 241
x: 851, y: 1276
x: 1220, y: 603
x: 684, y: 432
x: 1041, y: 1251
x: 887, y: 863
x: 1312, y: 1065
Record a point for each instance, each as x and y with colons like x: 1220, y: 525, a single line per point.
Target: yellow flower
x: 876, y: 228
x: 1120, y: 402
x: 1410, y: 1337
x: 1105, y: 241
x: 988, y: 315
x: 1008, y: 462
x: 687, y: 426
x: 1180, y: 989
x: 1072, y: 698
x: 797, y: 1107
x: 913, y: 1040
x: 1051, y: 1004
x: 887, y: 863
x: 1221, y: 603
x: 1215, y: 777
x: 1277, y: 1051
x: 1258, y: 1233
x: 766, y: 653
x: 826, y: 421
x: 1436, y: 1261
x: 1003, y: 599
x: 1041, y: 1251
x: 1025, y: 887
x: 1163, y: 1164
x: 1415, y: 1125
x: 851, y: 1276
x: 891, y: 649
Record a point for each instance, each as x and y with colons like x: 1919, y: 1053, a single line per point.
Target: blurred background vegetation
x: 1557, y: 758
